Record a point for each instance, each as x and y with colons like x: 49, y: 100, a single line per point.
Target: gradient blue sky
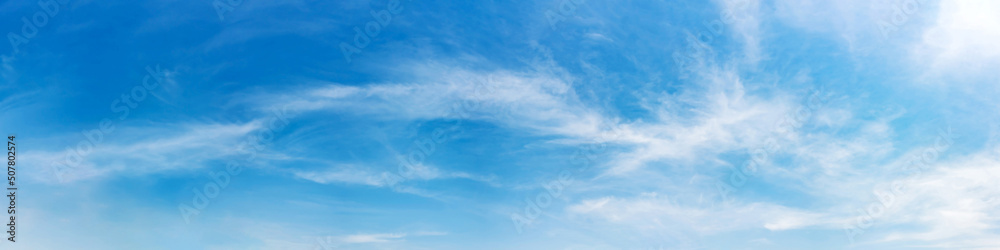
x: 568, y: 124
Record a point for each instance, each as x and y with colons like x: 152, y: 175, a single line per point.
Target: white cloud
x: 862, y: 26
x: 722, y: 117
x: 747, y: 26
x: 352, y: 174
x: 541, y: 103
x: 355, y: 240
x: 963, y: 38
x: 651, y: 212
x: 371, y: 238
x: 146, y: 150
x: 344, y: 174
x: 718, y: 115
x: 953, y: 201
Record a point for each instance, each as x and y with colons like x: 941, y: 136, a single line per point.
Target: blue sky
x: 568, y: 124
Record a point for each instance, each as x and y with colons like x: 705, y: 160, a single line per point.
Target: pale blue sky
x: 568, y: 124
